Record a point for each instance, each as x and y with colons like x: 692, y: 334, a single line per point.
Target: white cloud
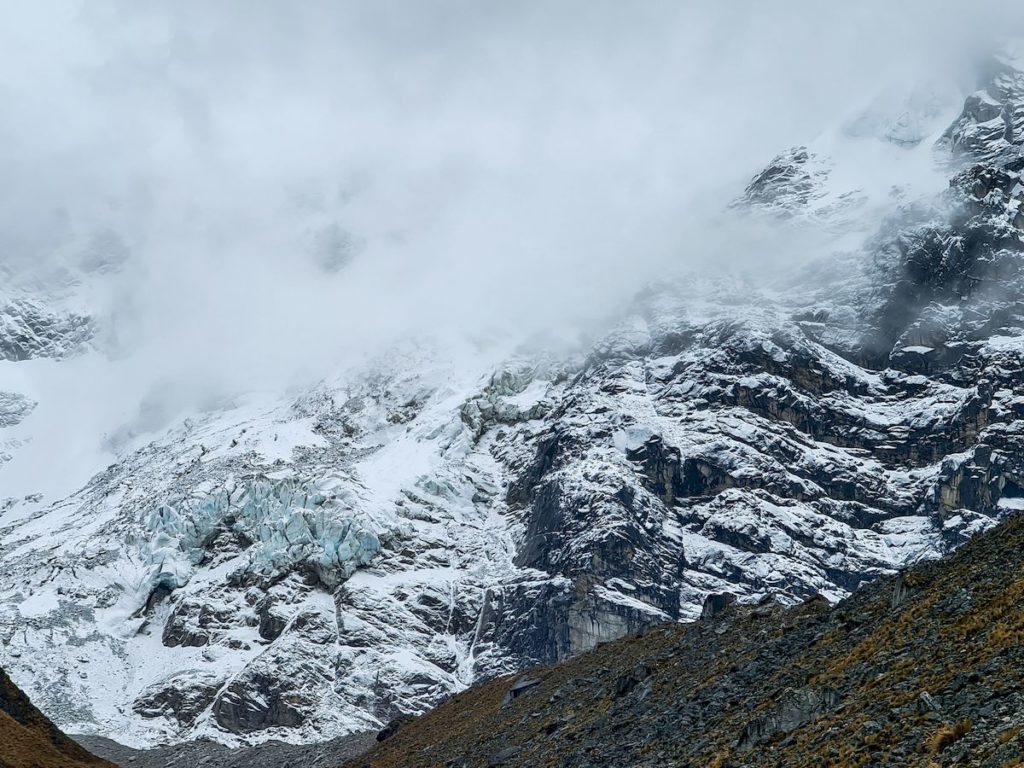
x: 500, y: 167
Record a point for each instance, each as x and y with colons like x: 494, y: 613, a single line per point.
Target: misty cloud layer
x: 279, y: 188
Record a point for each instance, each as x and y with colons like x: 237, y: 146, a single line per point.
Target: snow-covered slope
x: 305, y: 565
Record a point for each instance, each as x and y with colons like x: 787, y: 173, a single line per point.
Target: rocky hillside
x: 310, y: 565
x: 920, y: 669
x: 210, y: 754
x: 29, y: 740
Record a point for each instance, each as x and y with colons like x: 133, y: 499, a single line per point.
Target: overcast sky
x: 292, y: 183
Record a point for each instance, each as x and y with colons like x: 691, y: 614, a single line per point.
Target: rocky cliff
x: 919, y: 669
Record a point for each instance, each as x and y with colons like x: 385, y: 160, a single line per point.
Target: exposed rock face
x: 759, y: 435
x: 209, y: 754
x: 992, y: 122
x: 260, y: 697
x: 790, y: 182
x: 716, y: 605
x: 935, y: 681
x: 258, y: 702
x: 796, y: 708
x: 182, y: 697
x: 796, y: 185
x: 325, y: 563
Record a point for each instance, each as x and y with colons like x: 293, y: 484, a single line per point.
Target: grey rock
x: 521, y: 686
x: 181, y: 698
x: 927, y: 703
x: 255, y: 702
x: 503, y: 756
x: 394, y: 727
x: 627, y: 683
x: 900, y: 591
x: 795, y: 708
x: 208, y: 754
x: 716, y: 605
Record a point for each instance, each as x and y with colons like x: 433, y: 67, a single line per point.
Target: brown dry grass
x: 29, y: 740
x: 962, y: 615
x: 948, y: 734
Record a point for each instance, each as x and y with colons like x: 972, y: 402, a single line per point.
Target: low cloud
x: 280, y: 188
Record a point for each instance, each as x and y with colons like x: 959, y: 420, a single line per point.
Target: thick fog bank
x: 252, y: 195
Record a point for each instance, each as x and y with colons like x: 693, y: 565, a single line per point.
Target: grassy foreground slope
x: 921, y: 669
x: 29, y: 740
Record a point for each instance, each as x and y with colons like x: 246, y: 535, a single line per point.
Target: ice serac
x: 280, y: 524
x: 14, y: 408
x: 308, y: 566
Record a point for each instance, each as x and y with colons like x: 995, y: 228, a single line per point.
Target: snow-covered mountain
x: 304, y: 565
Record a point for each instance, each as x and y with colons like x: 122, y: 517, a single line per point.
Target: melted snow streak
x: 317, y: 560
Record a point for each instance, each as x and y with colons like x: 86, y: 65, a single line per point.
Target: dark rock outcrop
x: 183, y: 697
x: 938, y: 682
x: 258, y: 702
x: 716, y: 605
x: 795, y: 709
x: 209, y: 754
